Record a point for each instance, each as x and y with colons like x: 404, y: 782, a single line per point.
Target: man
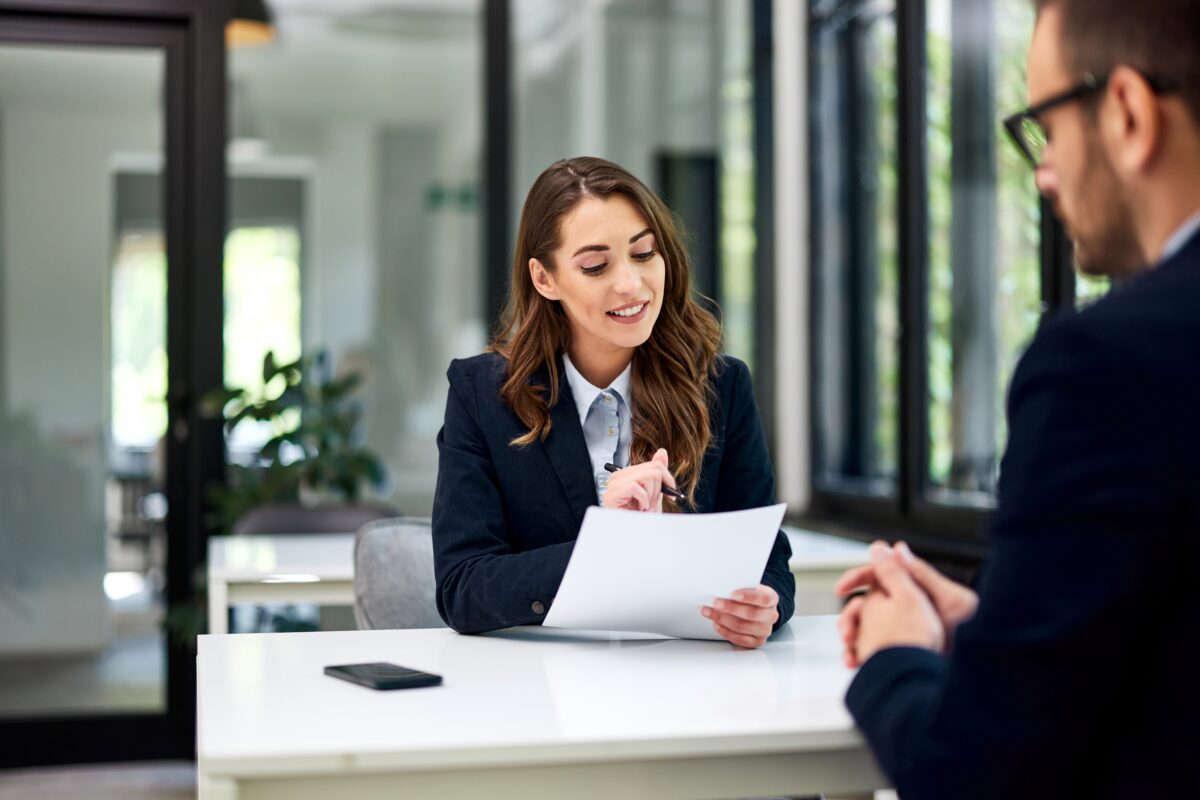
x: 1075, y: 672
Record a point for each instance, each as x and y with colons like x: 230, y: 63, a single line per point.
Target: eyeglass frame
x: 1089, y: 84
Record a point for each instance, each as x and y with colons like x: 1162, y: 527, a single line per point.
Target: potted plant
x: 314, y: 456
x: 313, y: 463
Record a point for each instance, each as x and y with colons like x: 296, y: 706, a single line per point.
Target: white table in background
x: 279, y: 568
x: 528, y: 713
x: 817, y: 561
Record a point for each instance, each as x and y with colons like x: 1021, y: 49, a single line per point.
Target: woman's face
x: 609, y: 276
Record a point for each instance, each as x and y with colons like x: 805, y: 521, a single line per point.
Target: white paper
x: 651, y: 573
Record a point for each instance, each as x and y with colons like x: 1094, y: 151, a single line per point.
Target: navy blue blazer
x: 505, y: 518
x: 1078, y: 677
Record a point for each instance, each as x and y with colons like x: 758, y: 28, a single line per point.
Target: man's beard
x: 1106, y: 243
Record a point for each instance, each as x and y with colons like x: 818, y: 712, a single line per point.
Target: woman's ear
x: 542, y: 280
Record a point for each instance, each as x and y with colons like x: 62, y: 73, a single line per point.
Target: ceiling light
x: 251, y: 24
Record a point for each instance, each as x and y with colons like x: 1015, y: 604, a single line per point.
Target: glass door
x: 83, y: 370
x: 99, y: 474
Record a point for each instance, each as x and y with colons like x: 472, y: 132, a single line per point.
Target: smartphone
x: 382, y: 675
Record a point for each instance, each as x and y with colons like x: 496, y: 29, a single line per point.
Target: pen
x: 667, y: 490
x: 861, y: 591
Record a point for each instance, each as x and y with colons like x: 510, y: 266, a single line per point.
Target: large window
x: 933, y: 257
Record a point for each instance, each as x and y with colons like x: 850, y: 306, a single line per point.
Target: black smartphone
x: 382, y: 675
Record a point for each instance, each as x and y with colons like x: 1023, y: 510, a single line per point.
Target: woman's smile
x: 629, y: 313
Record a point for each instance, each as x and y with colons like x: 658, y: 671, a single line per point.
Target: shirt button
x: 612, y: 431
x: 603, y: 483
x: 608, y: 398
x: 538, y: 607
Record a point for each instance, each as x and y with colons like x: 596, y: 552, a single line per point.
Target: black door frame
x: 191, y: 35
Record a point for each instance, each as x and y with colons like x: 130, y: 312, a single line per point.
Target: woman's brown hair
x: 670, y: 380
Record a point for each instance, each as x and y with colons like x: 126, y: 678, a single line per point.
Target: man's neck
x: 1155, y: 241
x: 1168, y: 204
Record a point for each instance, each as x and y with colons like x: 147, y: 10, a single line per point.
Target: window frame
x: 945, y: 529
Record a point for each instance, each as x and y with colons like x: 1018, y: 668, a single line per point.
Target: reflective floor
x: 165, y: 780
x: 125, y: 675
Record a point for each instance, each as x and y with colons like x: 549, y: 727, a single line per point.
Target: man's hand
x: 745, y: 619
x: 953, y: 602
x: 895, y: 612
x: 639, y: 487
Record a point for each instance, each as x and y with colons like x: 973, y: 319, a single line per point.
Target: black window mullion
x: 913, y: 204
x: 497, y: 231
x: 1058, y: 262
x: 857, y: 159
x: 764, y: 217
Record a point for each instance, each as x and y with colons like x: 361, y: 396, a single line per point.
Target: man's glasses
x: 1029, y: 135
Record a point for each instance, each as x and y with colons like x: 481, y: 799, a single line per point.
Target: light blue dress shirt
x: 607, y: 421
x: 1181, y: 236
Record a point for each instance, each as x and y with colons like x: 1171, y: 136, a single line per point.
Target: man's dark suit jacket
x: 1079, y: 676
x: 505, y: 518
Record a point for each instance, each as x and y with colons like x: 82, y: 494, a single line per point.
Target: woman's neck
x: 601, y: 369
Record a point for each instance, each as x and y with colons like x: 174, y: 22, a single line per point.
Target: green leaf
x: 340, y: 388
x: 213, y: 403
x: 269, y: 371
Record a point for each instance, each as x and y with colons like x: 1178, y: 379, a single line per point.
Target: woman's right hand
x: 639, y: 487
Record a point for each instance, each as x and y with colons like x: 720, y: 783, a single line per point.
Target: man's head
x: 1117, y: 156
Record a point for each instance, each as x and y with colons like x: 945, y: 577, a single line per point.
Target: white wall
x: 792, y: 370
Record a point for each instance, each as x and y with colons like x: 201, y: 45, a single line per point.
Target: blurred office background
x: 171, y: 211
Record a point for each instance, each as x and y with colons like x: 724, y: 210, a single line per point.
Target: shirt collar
x: 585, y: 394
x: 1181, y: 236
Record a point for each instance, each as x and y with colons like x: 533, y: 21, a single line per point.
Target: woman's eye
x: 646, y: 256
x: 596, y: 270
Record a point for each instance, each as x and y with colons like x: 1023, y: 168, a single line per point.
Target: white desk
x: 281, y: 568
x: 319, y: 568
x: 528, y: 713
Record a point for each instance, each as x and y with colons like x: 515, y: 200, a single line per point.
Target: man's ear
x: 542, y: 280
x: 1132, y: 121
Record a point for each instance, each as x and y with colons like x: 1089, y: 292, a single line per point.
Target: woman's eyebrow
x: 592, y: 248
x: 600, y: 248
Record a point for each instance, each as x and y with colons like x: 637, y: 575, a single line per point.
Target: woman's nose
x: 627, y: 278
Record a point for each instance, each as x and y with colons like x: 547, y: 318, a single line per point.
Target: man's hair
x: 1156, y: 37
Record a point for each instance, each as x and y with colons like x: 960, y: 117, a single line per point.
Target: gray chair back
x: 393, y: 575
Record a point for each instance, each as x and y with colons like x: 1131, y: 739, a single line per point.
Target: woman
x: 603, y: 357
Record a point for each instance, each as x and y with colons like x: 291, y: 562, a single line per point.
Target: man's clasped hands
x: 899, y: 600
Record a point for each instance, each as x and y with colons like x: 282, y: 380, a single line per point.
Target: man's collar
x: 1181, y: 236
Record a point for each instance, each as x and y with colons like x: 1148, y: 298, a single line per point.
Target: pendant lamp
x: 250, y: 25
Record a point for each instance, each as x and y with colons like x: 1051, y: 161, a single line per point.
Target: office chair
x: 393, y: 575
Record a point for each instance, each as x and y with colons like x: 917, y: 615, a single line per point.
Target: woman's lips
x: 622, y: 319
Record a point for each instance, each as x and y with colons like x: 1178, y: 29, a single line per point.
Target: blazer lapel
x: 568, y: 452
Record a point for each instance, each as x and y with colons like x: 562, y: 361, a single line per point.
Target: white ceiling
x: 401, y: 61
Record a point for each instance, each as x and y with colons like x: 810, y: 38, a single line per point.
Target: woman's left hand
x: 745, y: 619
x: 639, y: 487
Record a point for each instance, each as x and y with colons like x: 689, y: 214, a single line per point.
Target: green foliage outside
x: 887, y: 280
x: 1018, y: 289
